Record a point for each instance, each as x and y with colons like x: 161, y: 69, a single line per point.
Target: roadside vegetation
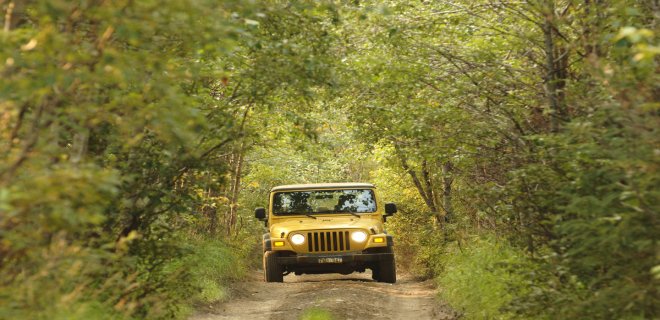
x: 519, y: 140
x: 316, y: 314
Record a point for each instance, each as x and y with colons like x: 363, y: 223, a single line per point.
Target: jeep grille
x: 328, y: 241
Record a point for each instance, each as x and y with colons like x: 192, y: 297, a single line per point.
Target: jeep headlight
x: 297, y: 239
x: 359, y: 236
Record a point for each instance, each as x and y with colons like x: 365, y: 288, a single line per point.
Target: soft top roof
x: 317, y: 186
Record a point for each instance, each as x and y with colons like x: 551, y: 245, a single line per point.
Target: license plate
x: 331, y: 260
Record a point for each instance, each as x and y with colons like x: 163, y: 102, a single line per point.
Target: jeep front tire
x: 385, y: 271
x: 272, y: 270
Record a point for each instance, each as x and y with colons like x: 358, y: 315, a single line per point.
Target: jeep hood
x: 304, y: 223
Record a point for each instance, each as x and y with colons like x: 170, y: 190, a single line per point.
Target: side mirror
x: 390, y: 209
x: 260, y: 213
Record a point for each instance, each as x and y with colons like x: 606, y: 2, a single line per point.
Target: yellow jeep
x: 327, y: 228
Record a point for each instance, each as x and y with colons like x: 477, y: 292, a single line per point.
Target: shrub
x: 316, y: 314
x: 475, y: 278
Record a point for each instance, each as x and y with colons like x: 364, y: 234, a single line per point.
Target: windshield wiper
x: 314, y: 217
x: 349, y: 212
x: 309, y: 213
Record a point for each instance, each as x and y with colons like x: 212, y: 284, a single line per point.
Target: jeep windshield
x: 324, y: 201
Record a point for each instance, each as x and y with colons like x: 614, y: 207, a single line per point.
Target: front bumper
x: 346, y: 258
x: 269, y: 244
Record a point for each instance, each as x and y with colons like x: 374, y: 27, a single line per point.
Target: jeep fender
x: 390, y: 240
x: 267, y: 243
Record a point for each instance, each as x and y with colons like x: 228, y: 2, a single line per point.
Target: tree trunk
x: 79, y: 146
x: 551, y: 72
x: 14, y: 14
x: 426, y: 194
x: 235, y: 188
x: 447, y: 181
x: 212, y: 212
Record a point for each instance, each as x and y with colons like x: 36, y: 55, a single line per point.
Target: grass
x: 212, y: 265
x: 475, y: 279
x: 65, y: 283
x: 316, y: 314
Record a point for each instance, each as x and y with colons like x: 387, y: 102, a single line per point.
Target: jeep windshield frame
x: 324, y: 201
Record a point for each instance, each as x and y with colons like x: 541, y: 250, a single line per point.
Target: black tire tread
x: 272, y: 270
x: 386, y: 270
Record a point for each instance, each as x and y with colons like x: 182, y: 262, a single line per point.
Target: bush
x: 316, y: 314
x: 68, y: 281
x: 475, y: 278
x: 211, y: 264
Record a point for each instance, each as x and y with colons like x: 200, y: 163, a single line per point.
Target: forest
x: 519, y: 140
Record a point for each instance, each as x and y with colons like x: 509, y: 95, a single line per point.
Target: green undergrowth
x: 316, y: 314
x: 70, y: 282
x: 212, y: 265
x: 475, y: 278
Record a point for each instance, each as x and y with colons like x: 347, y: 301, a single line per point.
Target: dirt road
x: 353, y: 296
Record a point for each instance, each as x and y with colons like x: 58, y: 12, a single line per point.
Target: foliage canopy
x: 520, y: 140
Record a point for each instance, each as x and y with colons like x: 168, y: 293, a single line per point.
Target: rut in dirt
x: 353, y: 296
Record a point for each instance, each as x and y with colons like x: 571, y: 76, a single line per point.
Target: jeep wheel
x: 386, y: 270
x: 272, y: 270
x: 374, y: 272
